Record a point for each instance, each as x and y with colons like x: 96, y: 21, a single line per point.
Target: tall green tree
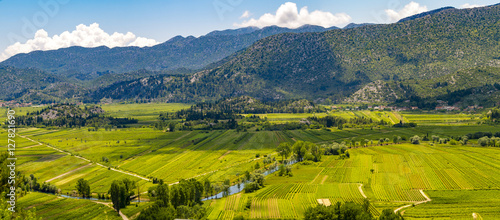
x: 114, y: 191
x: 83, y: 188
x: 121, y: 193
x: 163, y: 193
x: 300, y: 150
x: 284, y: 150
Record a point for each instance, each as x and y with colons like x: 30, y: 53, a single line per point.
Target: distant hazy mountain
x: 336, y: 63
x: 179, y: 52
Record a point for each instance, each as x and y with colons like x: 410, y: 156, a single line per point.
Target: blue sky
x: 162, y: 20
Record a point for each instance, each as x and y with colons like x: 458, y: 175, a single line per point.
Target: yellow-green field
x: 145, y: 113
x: 54, y: 207
x: 399, y: 171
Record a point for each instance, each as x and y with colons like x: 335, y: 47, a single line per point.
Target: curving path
x: 427, y: 199
x: 360, y: 187
x: 124, y: 217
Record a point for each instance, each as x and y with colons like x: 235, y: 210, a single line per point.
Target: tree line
x: 71, y: 116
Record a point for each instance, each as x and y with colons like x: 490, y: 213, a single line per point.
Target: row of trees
x: 339, y: 122
x: 301, y: 151
x: 348, y: 211
x: 182, y: 200
x: 491, y: 142
x: 23, y: 185
x: 70, y: 116
x: 230, y: 108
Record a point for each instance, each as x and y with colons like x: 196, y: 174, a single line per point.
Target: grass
x: 443, y: 118
x: 399, y: 171
x: 53, y: 207
x: 145, y: 113
x: 458, y: 204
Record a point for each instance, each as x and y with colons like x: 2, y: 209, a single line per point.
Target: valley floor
x: 460, y: 180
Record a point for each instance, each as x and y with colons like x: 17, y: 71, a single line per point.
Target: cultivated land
x: 54, y: 207
x: 460, y: 180
x: 451, y: 173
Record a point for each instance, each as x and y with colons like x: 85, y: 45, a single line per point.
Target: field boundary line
x: 324, y: 179
x: 82, y: 158
x: 71, y: 171
x: 31, y: 146
x: 317, y: 175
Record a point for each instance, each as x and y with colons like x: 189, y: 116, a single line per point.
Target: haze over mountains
x: 178, y: 52
x: 279, y: 63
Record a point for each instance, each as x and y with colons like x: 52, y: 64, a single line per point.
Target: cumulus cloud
x: 288, y: 15
x: 85, y: 36
x: 245, y: 14
x: 467, y: 5
x: 410, y: 9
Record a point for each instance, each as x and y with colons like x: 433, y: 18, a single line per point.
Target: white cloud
x: 245, y: 14
x: 85, y: 36
x: 410, y: 9
x: 467, y: 5
x: 289, y: 16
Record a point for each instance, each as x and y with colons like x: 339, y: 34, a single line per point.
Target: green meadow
x: 390, y: 176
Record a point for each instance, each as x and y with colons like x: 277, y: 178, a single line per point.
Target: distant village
x: 14, y: 104
x: 441, y: 107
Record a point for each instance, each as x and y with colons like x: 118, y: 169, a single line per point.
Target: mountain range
x: 277, y: 63
x: 177, y: 53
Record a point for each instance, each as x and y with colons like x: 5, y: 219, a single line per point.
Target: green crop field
x: 390, y: 176
x: 443, y: 118
x: 143, y: 112
x: 399, y: 172
x: 54, y: 207
x: 458, y: 204
x: 390, y: 117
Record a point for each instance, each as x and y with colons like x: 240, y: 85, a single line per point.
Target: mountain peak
x: 413, y: 17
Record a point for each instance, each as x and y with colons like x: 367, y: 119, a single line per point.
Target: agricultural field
x: 458, y: 204
x: 54, y: 207
x: 390, y: 176
x: 145, y: 113
x: 390, y: 117
x: 152, y: 153
x: 449, y: 119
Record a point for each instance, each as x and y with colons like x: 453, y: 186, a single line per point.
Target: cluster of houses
x: 380, y: 107
x: 392, y: 108
x: 442, y: 106
x: 14, y: 104
x: 454, y: 108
